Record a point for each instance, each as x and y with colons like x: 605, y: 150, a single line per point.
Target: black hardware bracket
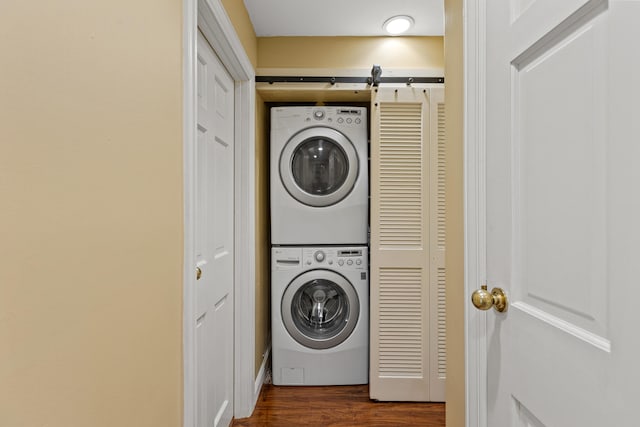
x: 375, y: 80
x: 334, y: 80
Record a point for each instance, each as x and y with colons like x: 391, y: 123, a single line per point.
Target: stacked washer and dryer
x: 319, y: 235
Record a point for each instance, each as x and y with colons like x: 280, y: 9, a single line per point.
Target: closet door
x: 407, y: 245
x: 437, y: 277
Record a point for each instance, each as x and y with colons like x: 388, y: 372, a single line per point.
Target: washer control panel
x: 338, y: 258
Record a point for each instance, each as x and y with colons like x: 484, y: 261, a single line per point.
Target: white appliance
x: 320, y: 315
x: 319, y: 175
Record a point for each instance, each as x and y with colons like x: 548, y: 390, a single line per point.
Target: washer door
x: 319, y: 166
x: 320, y: 309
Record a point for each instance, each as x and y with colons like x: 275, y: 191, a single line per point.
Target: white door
x: 563, y: 212
x: 214, y: 240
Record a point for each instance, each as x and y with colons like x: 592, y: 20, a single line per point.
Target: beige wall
x: 91, y: 225
x: 350, y: 52
x: 455, y: 237
x: 263, y: 246
x: 91, y: 219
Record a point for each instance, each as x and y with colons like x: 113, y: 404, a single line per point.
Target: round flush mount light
x: 398, y: 24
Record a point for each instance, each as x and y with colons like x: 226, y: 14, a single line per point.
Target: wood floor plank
x: 337, y: 406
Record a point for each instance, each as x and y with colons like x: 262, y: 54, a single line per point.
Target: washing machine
x: 320, y: 315
x: 319, y: 175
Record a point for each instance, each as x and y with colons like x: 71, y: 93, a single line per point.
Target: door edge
x: 475, y: 376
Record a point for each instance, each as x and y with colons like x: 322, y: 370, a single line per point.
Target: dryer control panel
x: 343, y: 116
x: 338, y: 117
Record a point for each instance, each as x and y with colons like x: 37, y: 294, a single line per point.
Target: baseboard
x: 262, y: 374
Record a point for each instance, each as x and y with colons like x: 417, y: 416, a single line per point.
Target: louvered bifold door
x: 437, y: 227
x: 400, y: 246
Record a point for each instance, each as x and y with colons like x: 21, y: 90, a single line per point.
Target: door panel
x: 555, y: 145
x: 407, y: 245
x: 214, y: 240
x: 399, y: 246
x: 437, y: 238
x: 559, y: 161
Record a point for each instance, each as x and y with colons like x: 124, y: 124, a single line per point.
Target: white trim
x: 214, y: 23
x: 262, y: 374
x: 589, y: 337
x: 245, y: 256
x: 220, y: 33
x: 189, y: 126
x: 474, y: 209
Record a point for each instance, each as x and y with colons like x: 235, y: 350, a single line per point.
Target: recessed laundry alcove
x: 407, y: 223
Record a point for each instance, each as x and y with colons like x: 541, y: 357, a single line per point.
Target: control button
x: 349, y: 262
x: 340, y: 262
x: 307, y: 119
x: 319, y: 256
x: 330, y: 262
x: 308, y: 262
x: 340, y: 120
x: 358, y: 261
x: 349, y: 120
x: 318, y: 114
x: 358, y: 121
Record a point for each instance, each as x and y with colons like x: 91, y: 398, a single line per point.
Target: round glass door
x: 320, y: 309
x: 319, y: 166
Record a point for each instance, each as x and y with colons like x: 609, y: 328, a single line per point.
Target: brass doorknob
x: 198, y: 273
x: 482, y: 299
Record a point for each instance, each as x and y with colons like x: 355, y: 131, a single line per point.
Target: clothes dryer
x: 320, y: 315
x: 319, y: 175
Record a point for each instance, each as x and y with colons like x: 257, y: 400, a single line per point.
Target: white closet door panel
x: 437, y: 274
x: 400, y: 245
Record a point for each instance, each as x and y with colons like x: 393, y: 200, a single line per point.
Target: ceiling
x: 272, y: 18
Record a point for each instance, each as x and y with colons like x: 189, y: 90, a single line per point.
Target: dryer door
x: 319, y: 166
x: 320, y: 309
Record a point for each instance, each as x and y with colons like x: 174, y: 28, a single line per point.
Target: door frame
x: 211, y: 17
x: 474, y: 40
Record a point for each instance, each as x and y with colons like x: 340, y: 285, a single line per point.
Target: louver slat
x: 401, y: 323
x: 437, y: 302
x: 400, y: 169
x: 442, y: 335
x: 441, y: 164
x: 440, y: 242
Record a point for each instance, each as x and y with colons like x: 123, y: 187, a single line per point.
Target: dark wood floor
x: 339, y: 406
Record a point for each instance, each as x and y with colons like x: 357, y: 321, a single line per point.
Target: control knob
x: 319, y: 256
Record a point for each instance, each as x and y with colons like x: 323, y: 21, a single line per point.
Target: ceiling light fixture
x: 398, y: 24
